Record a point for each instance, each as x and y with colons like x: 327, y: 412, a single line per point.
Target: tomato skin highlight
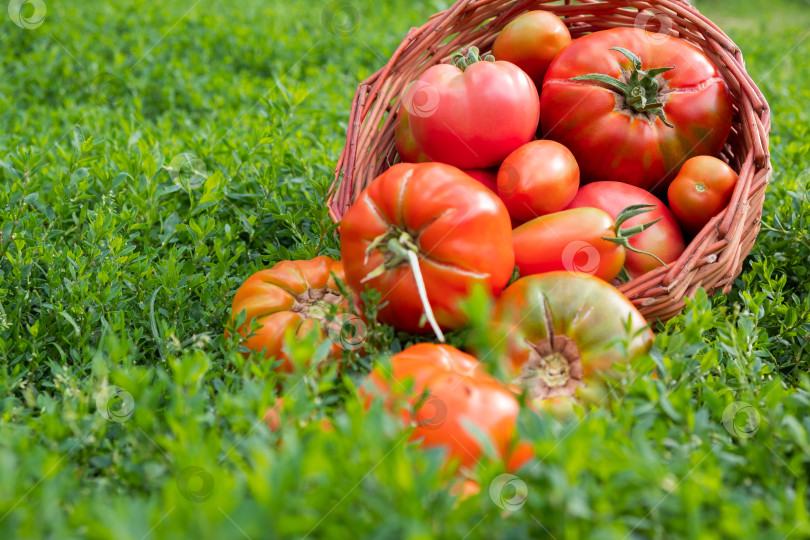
x: 538, y: 178
x: 459, y: 391
x: 664, y: 239
x: 610, y: 142
x: 408, y: 150
x: 702, y: 189
x: 571, y: 240
x: 531, y: 41
x: 461, y: 229
x: 586, y: 314
x: 285, y: 298
x: 473, y: 119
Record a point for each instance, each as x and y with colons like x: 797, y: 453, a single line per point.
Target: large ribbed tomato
x: 565, y: 332
x: 292, y: 296
x: 455, y: 231
x: 635, y: 117
x: 449, y: 393
x: 474, y: 113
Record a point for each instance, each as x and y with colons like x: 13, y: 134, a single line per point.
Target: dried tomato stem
x: 420, y: 286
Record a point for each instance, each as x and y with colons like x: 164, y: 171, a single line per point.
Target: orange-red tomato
x: 458, y: 229
x: 565, y: 332
x: 572, y: 240
x: 448, y: 390
x: 531, y: 41
x: 538, y: 178
x: 579, y: 240
x: 408, y: 150
x: 701, y: 190
x: 292, y: 296
x: 664, y: 239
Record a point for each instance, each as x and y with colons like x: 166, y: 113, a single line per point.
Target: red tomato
x: 458, y: 229
x: 565, y: 332
x: 683, y: 107
x: 449, y: 391
x: 489, y: 178
x: 475, y: 116
x: 531, y: 41
x: 538, y: 178
x: 701, y: 190
x: 408, y: 150
x: 664, y: 239
x: 579, y: 240
x: 292, y: 296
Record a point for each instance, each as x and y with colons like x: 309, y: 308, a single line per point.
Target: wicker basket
x: 714, y: 257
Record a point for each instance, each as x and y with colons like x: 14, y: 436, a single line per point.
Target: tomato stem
x: 462, y: 61
x: 400, y: 248
x: 641, y: 90
x: 623, y: 235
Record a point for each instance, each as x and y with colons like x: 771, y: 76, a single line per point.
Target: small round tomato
x: 424, y: 235
x: 489, y: 178
x: 565, y: 332
x: 701, y: 190
x: 294, y: 297
x: 531, y: 41
x: 579, y: 240
x: 449, y: 391
x: 408, y: 150
x: 538, y: 178
x: 474, y: 113
x: 664, y: 239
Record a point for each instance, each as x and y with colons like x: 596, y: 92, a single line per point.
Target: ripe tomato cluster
x: 536, y: 174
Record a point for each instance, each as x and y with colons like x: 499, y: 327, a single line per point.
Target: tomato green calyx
x: 623, y: 235
x: 554, y: 367
x: 462, y: 61
x: 400, y: 248
x: 641, y: 89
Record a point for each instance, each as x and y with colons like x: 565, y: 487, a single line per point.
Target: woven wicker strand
x: 715, y: 256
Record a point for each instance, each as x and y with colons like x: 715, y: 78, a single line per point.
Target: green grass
x: 111, y: 274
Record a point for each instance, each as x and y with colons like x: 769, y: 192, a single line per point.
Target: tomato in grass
x: 633, y: 109
x: 566, y: 331
x: 473, y: 113
x: 531, y: 41
x: 424, y: 235
x: 579, y: 240
x: 448, y: 391
x: 702, y: 189
x: 664, y: 239
x: 538, y: 178
x: 291, y: 297
x: 408, y: 150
